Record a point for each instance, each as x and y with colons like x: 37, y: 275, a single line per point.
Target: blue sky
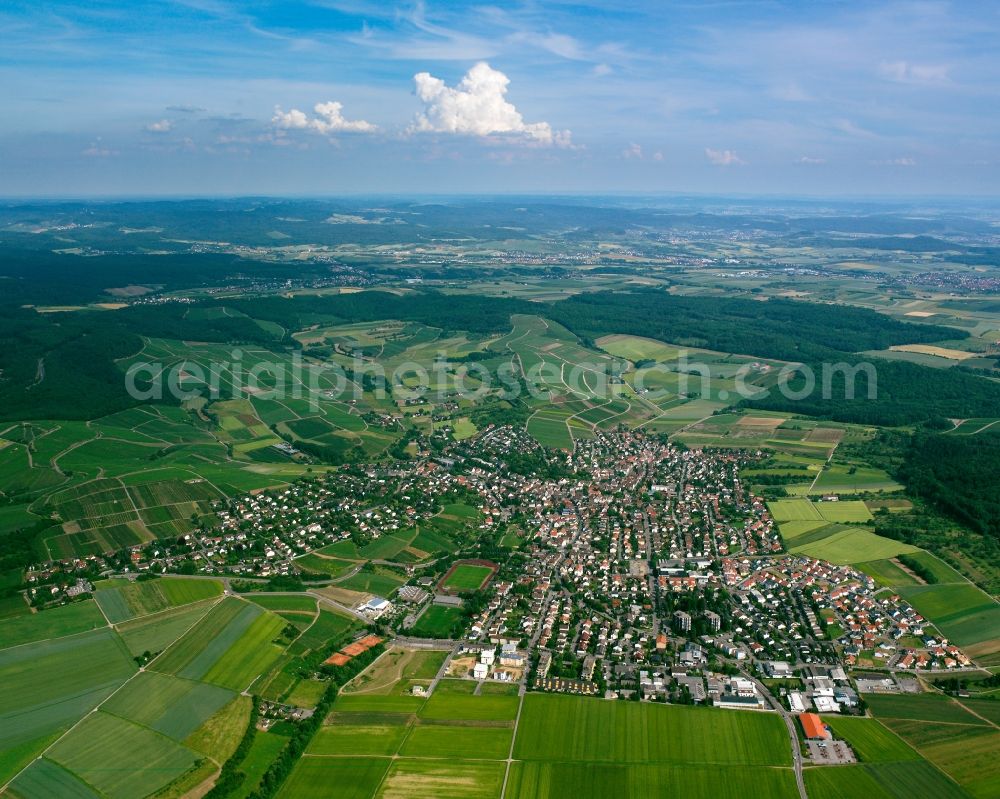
x: 213, y: 97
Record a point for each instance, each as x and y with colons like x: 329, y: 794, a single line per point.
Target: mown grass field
x: 871, y: 741
x: 559, y: 728
x: 883, y: 781
x: 76, y: 617
x: 544, y: 780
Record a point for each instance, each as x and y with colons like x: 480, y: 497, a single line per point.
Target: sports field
x: 467, y: 577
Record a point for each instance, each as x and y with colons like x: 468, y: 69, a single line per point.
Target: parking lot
x: 830, y: 753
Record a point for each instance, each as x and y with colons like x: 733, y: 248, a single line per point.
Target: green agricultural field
x: 126, y: 600
x: 155, y: 633
x: 921, y: 707
x: 381, y: 581
x: 49, y: 685
x: 965, y: 752
x: 219, y: 735
x: 369, y: 738
x: 230, y: 647
x: 883, y: 781
x: 283, y: 602
x: 249, y: 657
x: 44, y: 779
x: 887, y: 572
x: 870, y: 740
x: 328, y: 627
x: 851, y: 546
x: 962, y: 612
x: 333, y: 567
x: 455, y: 707
x: 542, y: 780
x: 335, y: 778
x: 439, y: 740
x: 169, y: 705
x: 572, y: 728
x: 844, y: 511
x: 793, y: 510
x: 76, y: 617
x: 440, y: 779
x: 120, y: 759
x: 467, y: 577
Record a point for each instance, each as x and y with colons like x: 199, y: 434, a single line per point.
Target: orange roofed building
x: 814, y: 727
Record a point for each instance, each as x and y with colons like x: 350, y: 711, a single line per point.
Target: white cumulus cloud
x: 162, y: 126
x: 723, y: 157
x: 477, y: 106
x: 329, y: 119
x: 633, y: 151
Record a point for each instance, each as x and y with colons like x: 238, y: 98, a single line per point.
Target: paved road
x: 793, y: 737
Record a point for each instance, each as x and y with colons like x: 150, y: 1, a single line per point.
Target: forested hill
x: 789, y: 330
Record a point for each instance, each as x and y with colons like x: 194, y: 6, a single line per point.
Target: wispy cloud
x: 917, y: 74
x: 723, y: 157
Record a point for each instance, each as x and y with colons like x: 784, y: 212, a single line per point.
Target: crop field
x: 155, y: 633
x: 335, y: 778
x: 76, y: 617
x: 439, y: 740
x: 870, y: 740
x: 120, y: 759
x: 794, y: 510
x: 964, y: 751
x: 276, y: 602
x: 230, y: 647
x: 850, y: 545
x: 882, y: 781
x: 844, y: 511
x: 328, y: 627
x: 48, y: 685
x: 169, y: 705
x: 122, y: 600
x: 558, y: 728
x: 378, y: 735
x: 44, y: 779
x: 544, y: 780
x: 921, y: 707
x: 962, y: 612
x: 438, y: 779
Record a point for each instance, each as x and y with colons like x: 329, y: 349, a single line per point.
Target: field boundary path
x: 513, y: 740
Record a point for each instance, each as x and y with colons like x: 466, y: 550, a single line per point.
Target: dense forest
x: 788, y: 330
x: 958, y: 474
